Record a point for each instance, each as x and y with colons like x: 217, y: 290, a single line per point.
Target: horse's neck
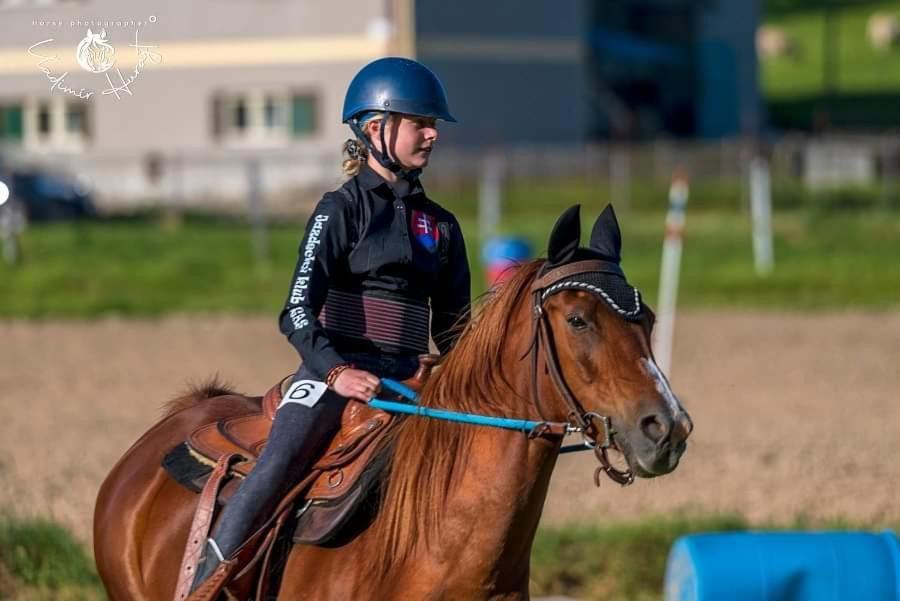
x: 491, y: 516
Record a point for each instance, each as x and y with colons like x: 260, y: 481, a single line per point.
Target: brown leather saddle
x: 334, y: 492
x: 339, y: 468
x: 327, y: 496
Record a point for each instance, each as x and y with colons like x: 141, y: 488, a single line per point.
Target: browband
x: 558, y: 273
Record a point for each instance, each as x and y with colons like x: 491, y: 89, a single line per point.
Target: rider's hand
x: 357, y: 384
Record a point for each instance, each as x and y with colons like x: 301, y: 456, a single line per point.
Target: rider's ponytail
x: 355, y: 151
x: 355, y: 154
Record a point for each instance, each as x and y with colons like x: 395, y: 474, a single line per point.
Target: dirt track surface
x: 794, y: 415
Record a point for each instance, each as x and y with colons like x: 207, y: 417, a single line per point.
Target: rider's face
x: 409, y: 138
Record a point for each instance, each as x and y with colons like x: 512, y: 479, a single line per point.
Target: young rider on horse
x: 374, y: 253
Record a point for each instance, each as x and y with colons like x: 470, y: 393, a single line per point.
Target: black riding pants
x: 303, y: 426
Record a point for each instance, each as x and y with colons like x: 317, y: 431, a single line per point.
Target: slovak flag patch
x: 425, y: 229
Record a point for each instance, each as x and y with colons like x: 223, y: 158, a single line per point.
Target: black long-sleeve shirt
x: 385, y: 240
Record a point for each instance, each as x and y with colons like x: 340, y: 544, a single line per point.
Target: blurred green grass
x: 823, y: 261
x: 620, y: 561
x: 864, y: 88
x: 860, y: 68
x: 41, y: 561
x: 614, y: 562
x: 833, y: 249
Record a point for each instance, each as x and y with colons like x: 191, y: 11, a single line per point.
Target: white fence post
x: 258, y: 213
x: 669, y: 272
x: 12, y: 223
x: 490, y: 196
x: 761, y: 210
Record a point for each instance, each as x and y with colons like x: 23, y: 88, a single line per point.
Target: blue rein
x: 413, y: 408
x: 401, y: 389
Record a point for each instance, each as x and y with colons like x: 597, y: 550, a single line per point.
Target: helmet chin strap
x: 384, y: 159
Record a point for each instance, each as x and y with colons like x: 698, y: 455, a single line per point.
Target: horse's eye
x: 576, y: 322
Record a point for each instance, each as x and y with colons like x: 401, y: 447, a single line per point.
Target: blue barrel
x: 784, y: 566
x: 501, y: 255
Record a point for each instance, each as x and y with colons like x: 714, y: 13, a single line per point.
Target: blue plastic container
x: 506, y: 249
x: 784, y: 566
x: 501, y: 255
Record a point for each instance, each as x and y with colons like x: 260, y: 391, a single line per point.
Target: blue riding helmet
x: 394, y: 85
x: 397, y: 85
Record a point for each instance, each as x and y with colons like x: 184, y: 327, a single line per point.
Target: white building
x: 214, y: 83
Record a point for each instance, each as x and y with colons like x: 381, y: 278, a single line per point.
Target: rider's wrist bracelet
x: 334, y: 372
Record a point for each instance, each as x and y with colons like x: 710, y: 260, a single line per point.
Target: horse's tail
x: 137, y: 491
x: 196, y: 393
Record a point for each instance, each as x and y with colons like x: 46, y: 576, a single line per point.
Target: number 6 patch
x: 304, y: 392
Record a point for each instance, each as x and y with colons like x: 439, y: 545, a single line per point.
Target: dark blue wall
x: 528, y: 71
x: 527, y: 86
x: 728, y: 100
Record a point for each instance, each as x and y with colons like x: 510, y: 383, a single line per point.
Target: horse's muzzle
x: 656, y: 445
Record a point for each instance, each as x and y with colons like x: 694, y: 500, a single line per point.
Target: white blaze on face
x: 662, y: 386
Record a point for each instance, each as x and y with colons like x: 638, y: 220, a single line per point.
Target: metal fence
x: 287, y: 181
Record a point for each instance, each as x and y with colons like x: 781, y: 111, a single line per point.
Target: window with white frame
x: 57, y: 122
x: 263, y: 117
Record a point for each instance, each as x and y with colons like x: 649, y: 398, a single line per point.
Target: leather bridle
x: 597, y: 430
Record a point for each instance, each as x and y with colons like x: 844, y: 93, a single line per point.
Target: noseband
x: 597, y: 430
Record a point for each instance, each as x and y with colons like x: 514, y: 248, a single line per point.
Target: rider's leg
x: 299, y: 434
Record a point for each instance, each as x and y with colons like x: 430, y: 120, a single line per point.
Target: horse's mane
x: 430, y: 455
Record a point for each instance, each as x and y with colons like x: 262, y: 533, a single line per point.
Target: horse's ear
x: 565, y: 237
x: 606, y: 238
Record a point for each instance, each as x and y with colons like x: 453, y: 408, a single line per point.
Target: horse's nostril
x: 654, y: 428
x: 687, y: 423
x: 683, y: 428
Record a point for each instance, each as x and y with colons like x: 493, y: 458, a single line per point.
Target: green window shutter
x: 303, y: 116
x: 11, y: 123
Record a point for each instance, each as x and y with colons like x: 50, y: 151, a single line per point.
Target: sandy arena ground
x: 794, y: 415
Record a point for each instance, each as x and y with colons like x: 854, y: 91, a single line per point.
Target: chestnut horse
x: 462, y: 502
